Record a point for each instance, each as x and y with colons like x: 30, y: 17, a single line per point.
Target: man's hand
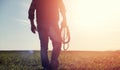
x: 33, y: 27
x: 64, y: 23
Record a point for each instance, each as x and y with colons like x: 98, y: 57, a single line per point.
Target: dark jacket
x: 46, y: 9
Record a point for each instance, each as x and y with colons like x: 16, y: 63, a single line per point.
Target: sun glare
x: 92, y: 23
x: 90, y: 13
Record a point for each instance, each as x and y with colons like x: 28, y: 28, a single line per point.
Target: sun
x: 92, y: 23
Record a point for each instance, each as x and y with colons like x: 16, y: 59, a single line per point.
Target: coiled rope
x: 65, y: 34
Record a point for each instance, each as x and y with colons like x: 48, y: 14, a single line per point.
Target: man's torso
x: 47, y: 9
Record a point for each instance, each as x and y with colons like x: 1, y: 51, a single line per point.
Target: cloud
x: 25, y: 4
x: 22, y: 21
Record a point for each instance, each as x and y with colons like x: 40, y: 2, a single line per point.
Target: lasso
x: 65, y: 34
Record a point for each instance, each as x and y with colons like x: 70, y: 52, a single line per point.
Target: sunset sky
x: 94, y: 25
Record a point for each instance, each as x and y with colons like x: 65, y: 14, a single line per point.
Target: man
x: 47, y: 17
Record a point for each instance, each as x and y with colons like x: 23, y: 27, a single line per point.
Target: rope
x: 65, y: 34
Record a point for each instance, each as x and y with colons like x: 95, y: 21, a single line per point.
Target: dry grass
x: 70, y: 60
x: 90, y: 60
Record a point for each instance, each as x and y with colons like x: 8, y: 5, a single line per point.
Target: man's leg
x: 55, y: 37
x: 55, y: 54
x: 44, y: 49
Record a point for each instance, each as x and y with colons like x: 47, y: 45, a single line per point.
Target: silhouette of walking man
x: 47, y: 17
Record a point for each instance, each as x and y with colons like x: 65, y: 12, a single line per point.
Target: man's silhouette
x: 47, y: 17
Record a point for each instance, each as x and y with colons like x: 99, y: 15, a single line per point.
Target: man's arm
x: 63, y: 12
x: 31, y: 15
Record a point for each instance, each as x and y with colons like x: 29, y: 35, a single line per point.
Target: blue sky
x: 94, y: 25
x: 14, y: 25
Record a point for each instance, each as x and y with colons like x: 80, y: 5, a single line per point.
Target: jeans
x: 46, y: 31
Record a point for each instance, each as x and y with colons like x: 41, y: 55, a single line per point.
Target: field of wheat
x: 69, y: 60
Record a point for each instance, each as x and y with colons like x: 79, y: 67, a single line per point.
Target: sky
x: 94, y: 25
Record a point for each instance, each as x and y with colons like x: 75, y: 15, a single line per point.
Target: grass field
x: 70, y: 60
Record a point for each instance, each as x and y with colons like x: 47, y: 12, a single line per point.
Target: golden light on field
x: 94, y: 24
